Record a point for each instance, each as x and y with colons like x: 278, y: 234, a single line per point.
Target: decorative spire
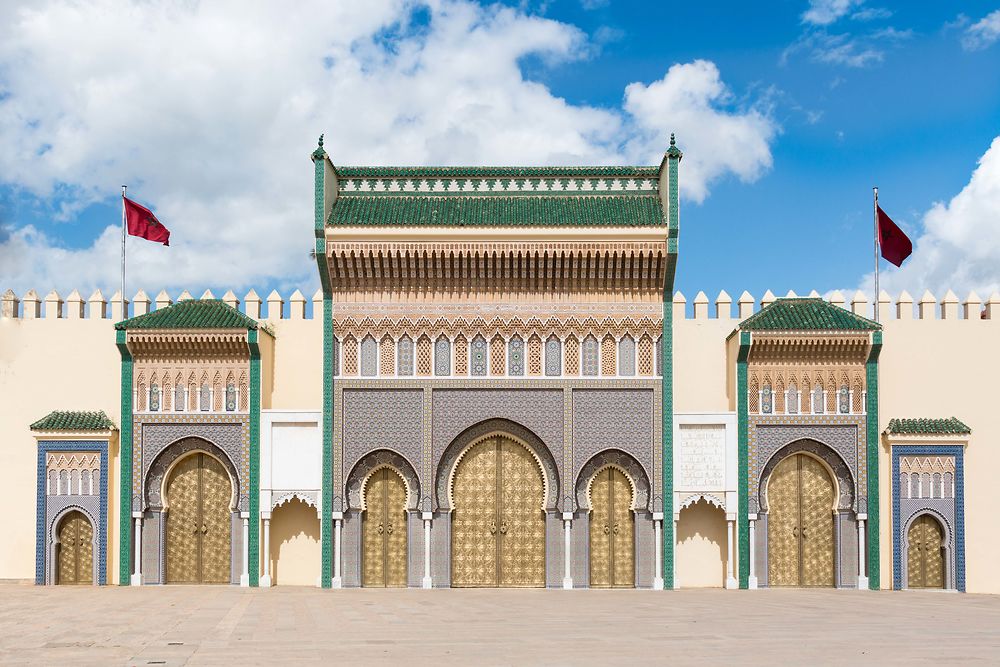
x: 319, y: 153
x: 673, y: 151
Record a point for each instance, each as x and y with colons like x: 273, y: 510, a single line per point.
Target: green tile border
x: 874, y: 553
x: 253, y: 543
x: 326, y: 510
x: 673, y: 158
x: 743, y: 460
x: 125, y: 461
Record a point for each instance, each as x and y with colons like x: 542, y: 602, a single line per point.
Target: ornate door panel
x: 815, y: 523
x: 521, y: 520
x: 384, y: 538
x: 498, y: 527
x: 198, y: 529
x: 216, y: 521
x: 783, y: 524
x: 600, y: 531
x: 800, y: 524
x: 474, y: 520
x: 612, y: 534
x: 924, y: 559
x: 76, y: 550
x: 183, y: 528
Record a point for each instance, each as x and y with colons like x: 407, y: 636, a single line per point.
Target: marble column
x: 731, y: 560
x: 658, y: 548
x: 752, y: 582
x: 677, y: 581
x: 426, y: 582
x: 265, y: 581
x: 862, y: 578
x: 567, y: 550
x: 136, y: 579
x: 245, y: 574
x: 338, y: 520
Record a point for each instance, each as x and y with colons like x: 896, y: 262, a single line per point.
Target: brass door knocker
x: 493, y: 527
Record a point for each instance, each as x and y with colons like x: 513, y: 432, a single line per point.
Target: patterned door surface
x: 76, y: 550
x: 384, y: 534
x: 198, y: 528
x: 498, y: 528
x: 800, y: 523
x: 924, y: 560
x: 612, y: 535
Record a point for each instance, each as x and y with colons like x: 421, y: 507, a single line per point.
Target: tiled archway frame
x: 382, y: 458
x: 171, y: 453
x: 53, y: 532
x: 499, y: 426
x: 618, y: 459
x: 821, y: 451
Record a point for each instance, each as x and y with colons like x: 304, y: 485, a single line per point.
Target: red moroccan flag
x: 895, y: 245
x: 141, y: 222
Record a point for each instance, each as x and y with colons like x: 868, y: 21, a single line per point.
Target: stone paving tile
x: 306, y: 626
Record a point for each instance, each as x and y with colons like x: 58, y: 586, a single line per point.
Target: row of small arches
x: 842, y: 399
x: 499, y: 356
x: 73, y: 482
x: 926, y: 485
x: 181, y: 396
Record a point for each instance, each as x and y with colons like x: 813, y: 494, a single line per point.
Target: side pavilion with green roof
x: 804, y: 379
x: 431, y: 266
x: 195, y: 376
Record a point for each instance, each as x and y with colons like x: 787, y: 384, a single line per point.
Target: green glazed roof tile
x: 805, y: 314
x: 498, y: 172
x: 498, y: 211
x: 64, y: 420
x: 924, y: 426
x: 191, y: 314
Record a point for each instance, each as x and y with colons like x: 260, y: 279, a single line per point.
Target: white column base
x: 337, y: 582
x: 752, y: 583
x: 265, y: 581
x: 657, y: 583
x: 426, y: 583
x: 245, y: 581
x: 567, y: 583
x: 731, y: 583
x: 135, y: 580
x: 862, y: 583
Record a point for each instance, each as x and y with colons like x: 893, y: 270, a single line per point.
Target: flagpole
x: 875, y: 211
x: 124, y: 311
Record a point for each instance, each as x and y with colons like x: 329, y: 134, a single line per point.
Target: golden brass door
x: 384, y: 532
x: 800, y: 497
x: 612, y: 536
x: 76, y: 550
x: 198, y: 529
x: 498, y: 527
x: 924, y: 558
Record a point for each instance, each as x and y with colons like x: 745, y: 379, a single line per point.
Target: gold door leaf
x: 924, y: 562
x: 69, y: 548
x: 782, y: 524
x: 521, y: 520
x: 622, y: 531
x: 600, y: 530
x: 183, y: 526
x: 85, y: 551
x: 474, y: 522
x: 816, y: 523
x: 373, y: 537
x: 216, y: 522
x: 395, y: 532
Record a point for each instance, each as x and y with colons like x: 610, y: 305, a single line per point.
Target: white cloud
x: 839, y: 49
x: 825, y: 12
x: 692, y: 100
x: 209, y: 111
x: 871, y: 14
x: 983, y: 33
x: 959, y: 248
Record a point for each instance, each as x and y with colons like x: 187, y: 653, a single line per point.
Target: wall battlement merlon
x: 275, y: 306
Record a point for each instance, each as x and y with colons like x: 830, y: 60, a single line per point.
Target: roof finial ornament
x: 321, y: 140
x: 319, y: 153
x: 673, y: 141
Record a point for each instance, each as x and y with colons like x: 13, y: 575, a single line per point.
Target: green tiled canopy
x: 498, y: 211
x: 65, y: 420
x: 499, y: 172
x: 191, y: 314
x: 923, y: 426
x: 806, y: 314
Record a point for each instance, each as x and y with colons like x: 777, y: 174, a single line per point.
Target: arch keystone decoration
x: 357, y: 480
x: 627, y: 464
x: 153, y: 489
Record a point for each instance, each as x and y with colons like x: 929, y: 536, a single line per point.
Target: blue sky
x: 788, y: 113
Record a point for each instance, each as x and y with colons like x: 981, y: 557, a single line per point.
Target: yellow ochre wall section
x: 930, y: 367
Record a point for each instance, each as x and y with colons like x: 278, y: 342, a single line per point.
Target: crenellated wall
x: 939, y: 359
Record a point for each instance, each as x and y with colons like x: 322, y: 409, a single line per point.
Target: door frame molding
x: 947, y: 543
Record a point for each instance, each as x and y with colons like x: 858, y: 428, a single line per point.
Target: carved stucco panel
x: 613, y: 419
x: 377, y: 419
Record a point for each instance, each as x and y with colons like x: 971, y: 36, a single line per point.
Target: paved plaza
x: 302, y: 626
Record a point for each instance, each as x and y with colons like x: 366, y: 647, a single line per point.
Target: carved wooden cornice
x: 543, y: 270
x: 488, y: 327
x: 797, y: 349
x: 192, y: 344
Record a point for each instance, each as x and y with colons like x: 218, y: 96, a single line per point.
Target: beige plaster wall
x: 295, y: 545
x: 944, y: 368
x: 46, y: 365
x: 700, y: 365
x: 701, y: 546
x: 298, y: 364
